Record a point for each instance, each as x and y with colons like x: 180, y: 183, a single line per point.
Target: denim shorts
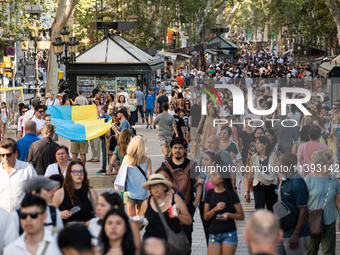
x: 224, y: 238
x: 149, y: 112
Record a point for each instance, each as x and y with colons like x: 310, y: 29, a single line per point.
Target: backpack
x: 181, y: 179
x: 53, y: 217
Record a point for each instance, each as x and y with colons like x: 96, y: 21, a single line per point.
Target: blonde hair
x: 135, y: 151
x: 321, y: 157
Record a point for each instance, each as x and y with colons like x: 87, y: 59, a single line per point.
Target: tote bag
x: 120, y: 181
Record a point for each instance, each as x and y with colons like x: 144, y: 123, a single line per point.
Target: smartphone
x: 219, y: 216
x: 75, y: 209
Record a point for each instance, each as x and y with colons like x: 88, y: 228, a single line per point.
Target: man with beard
x: 180, y: 167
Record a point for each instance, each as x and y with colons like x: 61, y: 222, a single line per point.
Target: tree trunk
x: 278, y: 40
x: 334, y: 8
x: 236, y: 5
x: 64, y: 11
x: 200, y: 28
x: 160, y: 19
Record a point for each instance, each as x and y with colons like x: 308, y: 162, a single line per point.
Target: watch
x: 235, y: 188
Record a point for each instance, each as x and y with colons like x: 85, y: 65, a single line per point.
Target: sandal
x: 90, y: 160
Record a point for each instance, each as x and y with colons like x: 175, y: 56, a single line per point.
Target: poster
x: 128, y: 83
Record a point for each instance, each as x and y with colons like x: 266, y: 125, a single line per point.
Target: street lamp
x: 36, y: 47
x: 71, y: 47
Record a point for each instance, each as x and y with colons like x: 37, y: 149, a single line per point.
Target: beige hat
x: 47, y: 95
x: 60, y: 95
x: 155, y: 179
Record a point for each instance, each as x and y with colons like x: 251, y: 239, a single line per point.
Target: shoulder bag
x: 316, y: 217
x: 92, y: 203
x: 283, y: 213
x: 178, y: 243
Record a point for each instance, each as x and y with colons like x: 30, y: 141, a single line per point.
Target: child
x: 186, y: 123
x: 4, y: 116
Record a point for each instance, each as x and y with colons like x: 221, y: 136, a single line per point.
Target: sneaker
x: 150, y: 127
x: 147, y: 126
x: 251, y: 195
x: 101, y: 172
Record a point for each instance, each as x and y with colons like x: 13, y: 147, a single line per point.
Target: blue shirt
x: 317, y: 188
x: 134, y: 181
x: 140, y: 97
x: 150, y: 101
x: 156, y: 90
x: 24, y: 144
x: 295, y: 194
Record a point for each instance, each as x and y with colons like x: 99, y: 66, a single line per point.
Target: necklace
x: 160, y: 205
x: 116, y: 249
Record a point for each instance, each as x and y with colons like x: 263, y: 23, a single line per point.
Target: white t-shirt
x: 171, y: 112
x: 94, y: 229
x: 50, y: 102
x: 20, y: 127
x: 296, y: 116
x: 53, y: 169
x: 39, y: 123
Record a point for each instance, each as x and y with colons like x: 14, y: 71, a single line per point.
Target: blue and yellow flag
x: 77, y: 123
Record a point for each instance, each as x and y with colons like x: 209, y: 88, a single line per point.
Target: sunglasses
x: 24, y: 111
x: 187, y: 103
x: 334, y: 108
x: 8, y: 155
x: 33, y: 215
x: 78, y: 171
x: 41, y: 111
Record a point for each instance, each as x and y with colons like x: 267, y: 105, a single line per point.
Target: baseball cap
x: 39, y: 182
x: 179, y: 140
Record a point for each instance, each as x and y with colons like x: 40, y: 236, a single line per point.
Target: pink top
x: 99, y: 107
x: 307, y: 149
x: 209, y: 186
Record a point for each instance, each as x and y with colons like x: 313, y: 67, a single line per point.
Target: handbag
x: 178, y: 243
x: 316, y: 217
x: 283, y: 213
x: 200, y: 131
x: 195, y: 149
x: 120, y: 181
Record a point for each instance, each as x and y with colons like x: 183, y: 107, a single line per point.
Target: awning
x: 325, y: 69
x: 210, y: 52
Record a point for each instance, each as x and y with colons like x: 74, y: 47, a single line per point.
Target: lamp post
x: 36, y: 47
x: 71, y: 47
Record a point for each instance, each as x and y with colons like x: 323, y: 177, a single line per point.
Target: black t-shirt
x: 195, y: 113
x: 192, y: 180
x: 221, y: 226
x: 161, y: 100
x: 179, y: 123
x: 247, y: 138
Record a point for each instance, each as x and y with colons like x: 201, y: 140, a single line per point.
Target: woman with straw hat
x: 159, y: 188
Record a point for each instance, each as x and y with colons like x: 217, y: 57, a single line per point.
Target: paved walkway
x: 199, y: 247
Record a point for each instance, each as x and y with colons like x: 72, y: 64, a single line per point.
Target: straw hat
x: 155, y: 179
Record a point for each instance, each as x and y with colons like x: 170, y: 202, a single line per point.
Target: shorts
x: 107, y: 145
x: 149, y: 111
x: 162, y: 139
x: 224, y: 238
x: 128, y: 199
x: 79, y: 147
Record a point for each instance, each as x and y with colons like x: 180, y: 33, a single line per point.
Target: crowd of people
x: 49, y: 207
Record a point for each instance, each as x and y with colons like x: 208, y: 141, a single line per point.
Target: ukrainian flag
x: 77, y: 123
